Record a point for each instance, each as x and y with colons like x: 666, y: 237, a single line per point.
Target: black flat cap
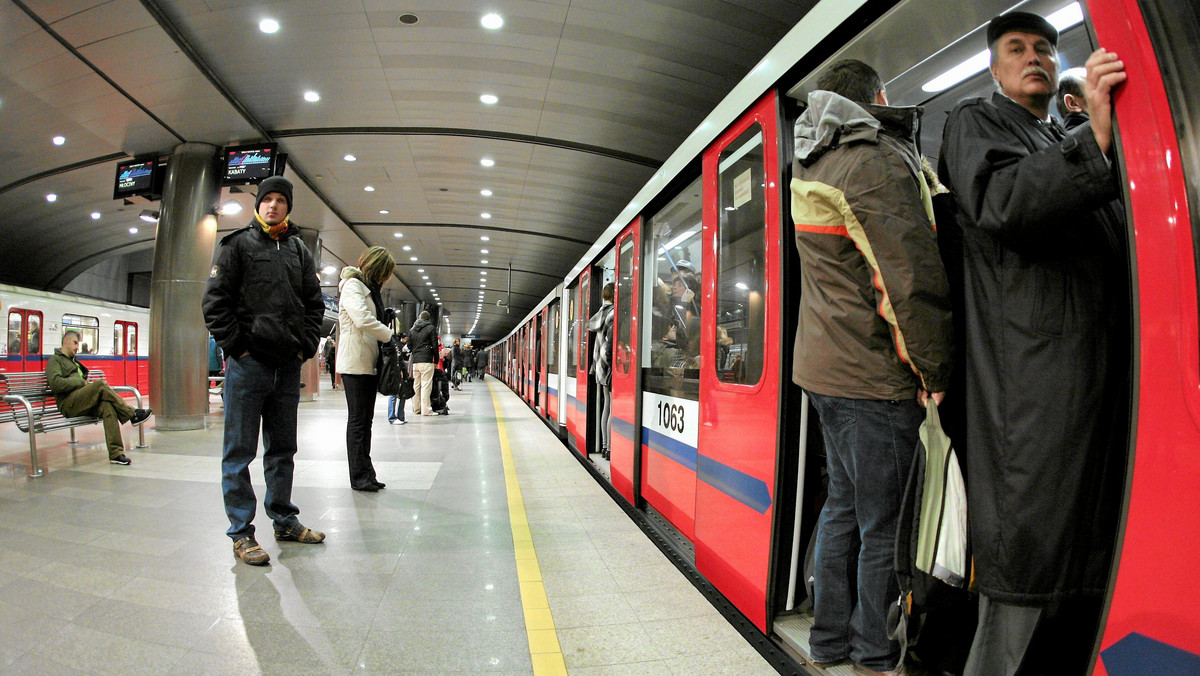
x: 1020, y: 21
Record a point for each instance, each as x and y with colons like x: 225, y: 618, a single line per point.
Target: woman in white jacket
x: 360, y: 330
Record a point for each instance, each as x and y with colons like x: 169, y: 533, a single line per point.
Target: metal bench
x: 26, y: 400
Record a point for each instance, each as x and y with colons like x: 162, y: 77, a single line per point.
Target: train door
x: 740, y: 370
x: 539, y: 362
x: 24, y: 341
x: 571, y: 368
x: 551, y: 378
x: 623, y: 422
x: 125, y: 337
x: 583, y: 424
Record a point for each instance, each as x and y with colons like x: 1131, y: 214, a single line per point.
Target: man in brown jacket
x: 75, y: 397
x: 874, y: 339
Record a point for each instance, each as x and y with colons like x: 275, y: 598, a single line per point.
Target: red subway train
x: 709, y: 437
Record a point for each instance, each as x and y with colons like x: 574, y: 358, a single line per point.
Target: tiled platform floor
x: 127, y: 570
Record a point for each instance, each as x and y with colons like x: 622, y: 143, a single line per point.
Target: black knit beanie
x: 277, y: 184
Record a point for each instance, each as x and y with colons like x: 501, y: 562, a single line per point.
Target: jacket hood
x: 832, y: 120
x: 419, y: 323
x: 351, y: 272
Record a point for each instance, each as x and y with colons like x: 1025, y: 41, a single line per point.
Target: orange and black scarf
x: 273, y: 231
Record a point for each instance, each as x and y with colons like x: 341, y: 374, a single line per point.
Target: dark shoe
x: 120, y: 460
x: 248, y: 550
x: 369, y: 488
x: 380, y: 484
x: 140, y: 415
x: 298, y: 533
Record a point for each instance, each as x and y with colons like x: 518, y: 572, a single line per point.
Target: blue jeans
x: 869, y: 447
x: 395, y: 408
x: 258, y: 394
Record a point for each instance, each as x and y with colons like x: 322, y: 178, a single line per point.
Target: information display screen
x: 134, y: 178
x: 249, y: 164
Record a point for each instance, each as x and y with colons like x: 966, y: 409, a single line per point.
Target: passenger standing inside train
x: 1044, y: 337
x: 362, y: 324
x: 602, y: 324
x: 263, y: 305
x: 423, y: 342
x: 75, y: 396
x: 874, y: 340
x: 1070, y: 99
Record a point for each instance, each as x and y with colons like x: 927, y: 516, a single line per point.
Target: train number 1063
x: 670, y: 416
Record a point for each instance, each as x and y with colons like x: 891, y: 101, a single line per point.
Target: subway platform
x: 492, y: 550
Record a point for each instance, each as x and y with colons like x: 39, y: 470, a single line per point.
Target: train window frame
x: 623, y: 297
x: 551, y: 339
x: 35, y: 325
x: 87, y: 327
x: 18, y: 333
x: 572, y: 331
x: 752, y: 139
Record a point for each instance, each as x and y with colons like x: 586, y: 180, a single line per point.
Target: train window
x: 572, y: 333
x: 14, y: 333
x: 118, y: 343
x: 131, y: 346
x: 741, y: 259
x: 624, y: 314
x: 672, y: 295
x: 552, y: 340
x: 34, y: 344
x: 89, y: 331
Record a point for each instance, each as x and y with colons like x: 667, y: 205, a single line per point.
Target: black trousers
x: 360, y: 410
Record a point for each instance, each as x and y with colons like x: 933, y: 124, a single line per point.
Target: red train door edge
x: 623, y: 440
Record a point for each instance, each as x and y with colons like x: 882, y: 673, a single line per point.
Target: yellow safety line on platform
x: 544, y: 648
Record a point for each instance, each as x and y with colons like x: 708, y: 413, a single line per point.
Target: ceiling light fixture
x: 483, y: 251
x: 485, y: 238
x: 412, y: 258
x: 484, y: 273
x: 397, y: 235
x: 349, y: 158
x: 407, y: 247
x: 489, y: 99
x: 329, y: 269
x: 492, y: 21
x: 311, y: 96
x: 485, y: 192
x: 59, y: 140
x: 230, y: 207
x: 133, y: 230
x: 484, y: 262
x: 421, y: 270
x: 385, y: 212
x: 149, y: 215
x: 369, y: 188
x: 485, y: 215
x: 95, y: 215
x: 268, y: 26
x: 51, y: 197
x: 488, y: 162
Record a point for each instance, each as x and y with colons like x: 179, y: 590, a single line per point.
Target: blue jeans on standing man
x: 258, y: 394
x: 395, y: 408
x: 869, y: 448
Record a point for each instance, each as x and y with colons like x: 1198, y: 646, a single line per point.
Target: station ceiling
x: 592, y: 96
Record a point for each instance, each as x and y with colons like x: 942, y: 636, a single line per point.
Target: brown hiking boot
x: 298, y: 533
x: 247, y: 549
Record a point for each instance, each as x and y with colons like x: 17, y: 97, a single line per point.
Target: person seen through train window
x: 75, y: 396
x: 1046, y: 351
x: 1069, y: 98
x: 363, y: 323
x: 263, y: 304
x: 874, y: 340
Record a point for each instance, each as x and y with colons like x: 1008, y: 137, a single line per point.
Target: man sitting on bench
x: 76, y: 397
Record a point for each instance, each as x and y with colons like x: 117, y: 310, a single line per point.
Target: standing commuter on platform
x: 423, y: 342
x: 395, y: 405
x: 456, y: 363
x: 75, y: 396
x: 263, y: 305
x: 362, y: 324
x: 1046, y: 352
x: 873, y: 341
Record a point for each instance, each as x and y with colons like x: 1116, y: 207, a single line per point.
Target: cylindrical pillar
x: 408, y: 315
x: 310, y: 371
x: 183, y: 249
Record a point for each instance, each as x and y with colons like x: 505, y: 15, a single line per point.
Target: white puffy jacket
x: 359, y: 330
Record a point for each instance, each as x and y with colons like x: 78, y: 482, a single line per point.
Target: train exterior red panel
x: 1150, y: 611
x: 623, y: 418
x: 577, y: 409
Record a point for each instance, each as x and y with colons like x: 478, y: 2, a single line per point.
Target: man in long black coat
x: 1044, y: 281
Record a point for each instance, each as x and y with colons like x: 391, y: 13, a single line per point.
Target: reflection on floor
x: 110, y: 569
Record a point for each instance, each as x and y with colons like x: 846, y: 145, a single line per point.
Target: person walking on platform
x: 75, y: 397
x: 395, y: 405
x: 331, y: 360
x: 423, y: 342
x: 363, y: 323
x: 456, y: 364
x: 263, y: 305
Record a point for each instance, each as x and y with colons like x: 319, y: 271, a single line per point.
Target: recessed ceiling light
x: 485, y: 192
x: 329, y: 269
x: 408, y: 18
x: 268, y: 25
x: 488, y: 162
x: 407, y: 247
x: 51, y: 197
x: 369, y: 188
x: 485, y: 215
x: 425, y: 277
x: 397, y: 235
x: 59, y: 140
x: 412, y: 258
x: 231, y: 207
x: 420, y: 269
x: 492, y: 21
x: 483, y: 286
x: 485, y: 238
x: 349, y: 158
x: 95, y: 215
x: 133, y: 230
x: 428, y: 283
x: 489, y: 99
x: 484, y: 273
x: 484, y: 262
x: 311, y: 96
x: 384, y: 212
x: 483, y: 251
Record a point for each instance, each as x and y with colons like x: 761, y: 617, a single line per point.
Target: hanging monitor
x: 249, y: 164
x: 135, y: 178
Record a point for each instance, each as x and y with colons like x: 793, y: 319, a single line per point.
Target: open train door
x: 740, y: 345
x: 583, y: 361
x: 623, y: 440
x: 24, y: 342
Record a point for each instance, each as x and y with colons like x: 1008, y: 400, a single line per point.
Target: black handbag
x: 390, y: 368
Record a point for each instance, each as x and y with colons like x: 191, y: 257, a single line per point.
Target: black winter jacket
x: 423, y: 342
x: 263, y: 296
x: 1044, y: 360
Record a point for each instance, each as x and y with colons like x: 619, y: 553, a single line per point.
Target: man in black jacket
x: 263, y: 305
x: 1043, y: 283
x: 423, y: 342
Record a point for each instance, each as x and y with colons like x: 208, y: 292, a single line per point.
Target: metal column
x: 310, y: 371
x: 183, y: 249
